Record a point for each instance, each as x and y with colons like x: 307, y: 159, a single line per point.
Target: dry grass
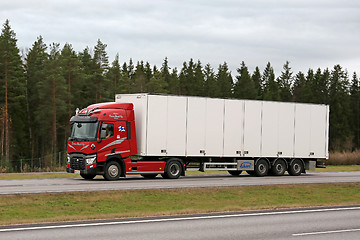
x: 344, y: 158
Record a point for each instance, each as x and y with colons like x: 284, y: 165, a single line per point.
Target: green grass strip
x: 53, y: 207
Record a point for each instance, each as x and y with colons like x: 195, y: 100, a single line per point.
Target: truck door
x: 113, y: 139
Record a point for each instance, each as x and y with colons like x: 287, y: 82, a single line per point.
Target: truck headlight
x: 90, y: 159
x: 68, y: 158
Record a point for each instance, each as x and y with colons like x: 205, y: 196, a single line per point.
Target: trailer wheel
x: 149, y: 176
x: 87, y: 176
x: 296, y: 168
x: 279, y: 168
x: 261, y: 168
x: 173, y: 170
x: 235, y: 172
x: 112, y: 171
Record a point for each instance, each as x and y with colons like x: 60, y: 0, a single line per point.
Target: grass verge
x: 53, y: 207
x: 9, y: 176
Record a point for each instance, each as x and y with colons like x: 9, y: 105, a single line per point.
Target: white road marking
x: 327, y: 232
x: 176, y: 219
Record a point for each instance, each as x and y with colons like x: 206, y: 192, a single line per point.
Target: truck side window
x: 107, y: 130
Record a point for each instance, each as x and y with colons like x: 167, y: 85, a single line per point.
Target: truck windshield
x: 83, y: 131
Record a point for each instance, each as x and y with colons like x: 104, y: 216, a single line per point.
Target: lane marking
x: 326, y: 232
x: 176, y: 219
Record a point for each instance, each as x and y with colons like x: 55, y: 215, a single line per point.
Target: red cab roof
x: 111, y: 105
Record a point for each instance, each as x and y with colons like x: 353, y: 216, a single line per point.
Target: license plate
x: 77, y: 171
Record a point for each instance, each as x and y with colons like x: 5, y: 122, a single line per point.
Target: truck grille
x: 77, y: 163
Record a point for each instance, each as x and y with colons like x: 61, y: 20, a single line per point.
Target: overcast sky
x: 308, y: 33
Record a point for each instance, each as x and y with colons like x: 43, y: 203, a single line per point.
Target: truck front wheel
x: 112, y: 171
x: 87, y: 176
x: 261, y: 168
x: 173, y: 170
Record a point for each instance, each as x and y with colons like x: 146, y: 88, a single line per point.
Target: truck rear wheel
x: 279, y: 168
x: 87, y: 176
x: 261, y: 168
x: 235, y: 172
x: 296, y: 168
x: 112, y: 171
x: 173, y: 170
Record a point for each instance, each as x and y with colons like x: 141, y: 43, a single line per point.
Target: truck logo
x: 115, y: 116
x: 245, y: 165
x: 121, y: 129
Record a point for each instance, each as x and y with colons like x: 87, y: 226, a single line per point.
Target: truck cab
x: 100, y: 134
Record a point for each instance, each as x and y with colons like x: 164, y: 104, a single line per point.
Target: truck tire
x: 279, y: 168
x: 112, y: 171
x: 149, y: 176
x: 296, y: 168
x: 87, y: 176
x: 173, y: 170
x: 261, y: 168
x: 235, y: 172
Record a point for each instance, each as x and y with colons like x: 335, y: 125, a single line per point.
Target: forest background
x: 40, y: 87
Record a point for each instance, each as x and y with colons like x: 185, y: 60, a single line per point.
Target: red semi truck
x: 151, y: 134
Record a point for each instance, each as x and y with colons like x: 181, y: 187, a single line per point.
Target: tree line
x: 41, y: 87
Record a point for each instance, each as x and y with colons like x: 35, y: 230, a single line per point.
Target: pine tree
x: 102, y: 84
x: 52, y: 99
x: 244, y: 88
x: 12, y: 98
x: 34, y: 72
x: 89, y: 69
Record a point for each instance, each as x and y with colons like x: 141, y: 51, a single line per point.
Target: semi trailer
x: 149, y: 134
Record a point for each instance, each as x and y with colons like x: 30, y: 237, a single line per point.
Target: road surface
x: 99, y: 184
x: 296, y: 224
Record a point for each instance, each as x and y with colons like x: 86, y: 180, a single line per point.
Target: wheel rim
x: 262, y: 168
x: 113, y: 171
x: 174, y: 169
x: 279, y: 167
x: 296, y: 167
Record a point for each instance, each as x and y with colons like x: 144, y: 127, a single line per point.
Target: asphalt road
x: 331, y: 223
x: 99, y: 184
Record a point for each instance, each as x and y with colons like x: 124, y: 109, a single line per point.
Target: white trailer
x: 230, y: 134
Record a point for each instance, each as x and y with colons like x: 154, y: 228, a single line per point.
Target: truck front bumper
x: 95, y: 171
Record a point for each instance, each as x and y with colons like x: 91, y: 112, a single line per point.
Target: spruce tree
x: 355, y: 111
x: 225, y: 81
x: 244, y: 88
x: 210, y: 83
x: 340, y: 109
x: 285, y: 81
x: 257, y: 79
x: 271, y: 89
